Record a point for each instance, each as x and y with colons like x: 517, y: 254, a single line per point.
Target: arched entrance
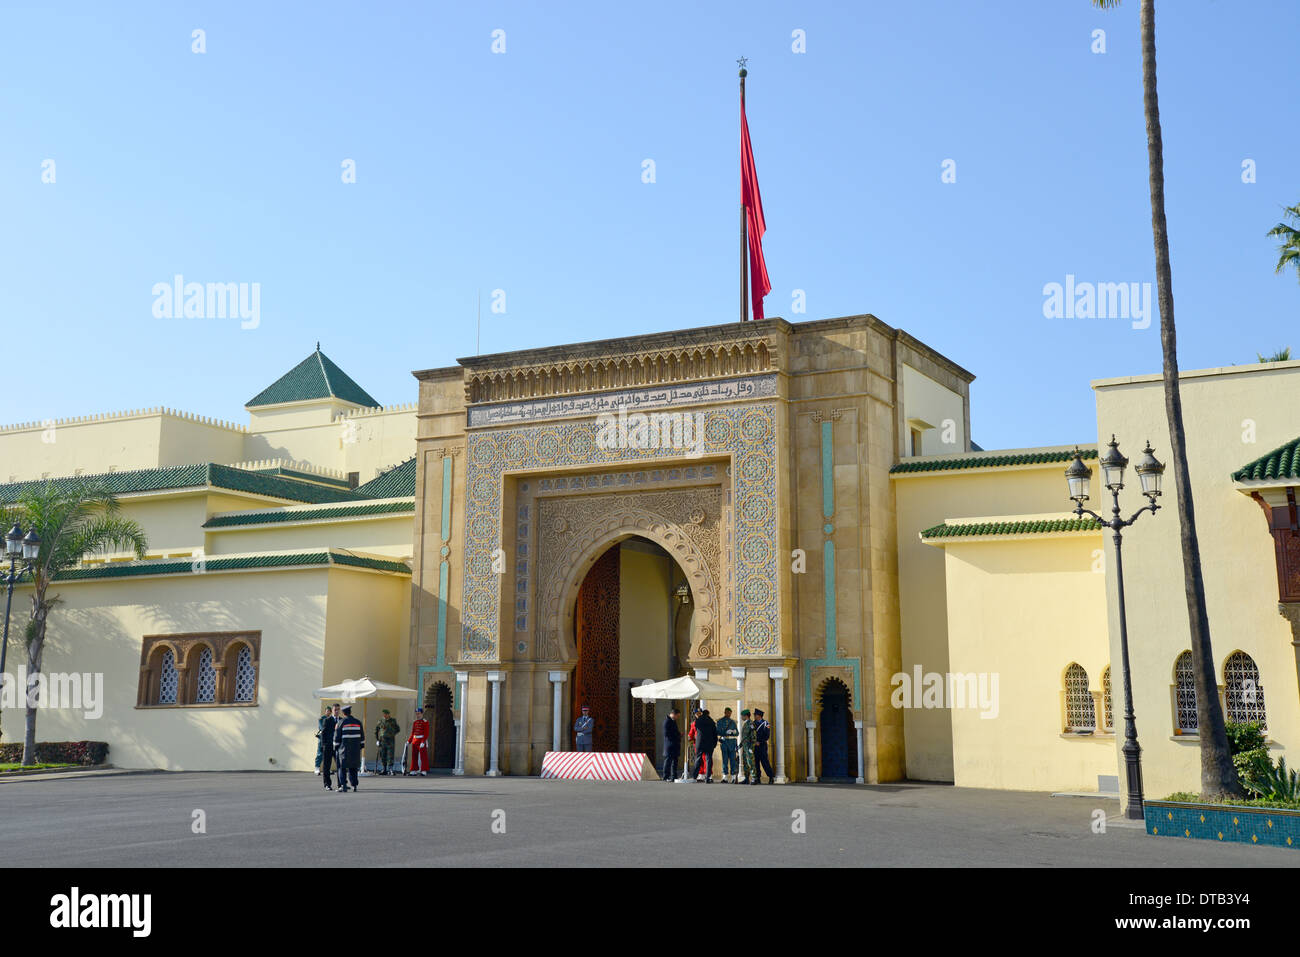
x: 839, y: 746
x: 442, y: 726
x: 631, y: 622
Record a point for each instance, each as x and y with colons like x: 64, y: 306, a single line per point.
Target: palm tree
x: 1218, y: 777
x: 1282, y: 355
x: 1289, y: 248
x: 74, y: 518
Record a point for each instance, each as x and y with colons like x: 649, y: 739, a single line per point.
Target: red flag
x: 759, y: 284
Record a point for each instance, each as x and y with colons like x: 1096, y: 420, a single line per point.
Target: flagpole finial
x: 741, y: 62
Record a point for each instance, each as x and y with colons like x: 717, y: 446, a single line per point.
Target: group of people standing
x: 744, y: 748
x: 340, y: 737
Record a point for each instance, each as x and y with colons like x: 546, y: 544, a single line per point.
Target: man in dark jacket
x: 349, y: 735
x: 672, y: 745
x: 706, y: 739
x: 762, y: 733
x: 327, y: 727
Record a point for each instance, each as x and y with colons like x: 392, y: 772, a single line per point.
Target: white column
x: 739, y: 675
x: 861, y: 770
x: 495, y: 678
x: 812, y: 753
x: 778, y: 729
x: 557, y: 684
x: 462, y: 682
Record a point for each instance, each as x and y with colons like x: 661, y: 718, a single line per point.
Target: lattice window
x: 1185, y: 693
x: 1105, y: 699
x: 1080, y: 710
x: 168, y: 679
x: 206, y: 691
x: 1243, y: 692
x: 245, y: 676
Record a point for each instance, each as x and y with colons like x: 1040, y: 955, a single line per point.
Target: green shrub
x: 1274, y: 783
x: 1244, y: 736
x: 83, y: 753
x: 1190, y: 797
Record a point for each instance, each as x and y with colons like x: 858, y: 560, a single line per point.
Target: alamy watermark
x: 1101, y: 300
x: 55, y: 691
x: 179, y: 299
x: 933, y: 689
x: 654, y: 430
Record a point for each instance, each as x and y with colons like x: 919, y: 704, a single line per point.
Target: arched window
x: 205, y: 689
x: 1243, y: 692
x: 168, y: 679
x: 245, y: 676
x: 1080, y: 710
x: 1185, y: 694
x: 1108, y: 714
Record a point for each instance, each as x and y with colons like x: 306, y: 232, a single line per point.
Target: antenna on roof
x: 318, y: 345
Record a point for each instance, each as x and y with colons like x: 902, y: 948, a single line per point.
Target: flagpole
x: 744, y: 244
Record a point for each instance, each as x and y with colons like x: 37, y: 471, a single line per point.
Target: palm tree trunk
x: 1218, y: 777
x: 35, y: 652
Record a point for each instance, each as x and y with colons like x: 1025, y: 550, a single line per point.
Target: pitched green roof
x: 308, y: 514
x: 1281, y: 463
x: 988, y: 461
x: 198, y: 476
x: 187, y: 566
x: 397, y: 482
x: 1042, y: 526
x: 316, y: 377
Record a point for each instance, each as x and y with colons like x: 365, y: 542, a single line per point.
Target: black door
x: 836, y: 728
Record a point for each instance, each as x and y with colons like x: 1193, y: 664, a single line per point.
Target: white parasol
x: 352, y: 689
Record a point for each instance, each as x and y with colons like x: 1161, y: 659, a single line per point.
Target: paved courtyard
x: 273, y: 819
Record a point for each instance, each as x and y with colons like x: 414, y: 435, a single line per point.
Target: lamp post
x: 1149, y: 472
x: 27, y: 547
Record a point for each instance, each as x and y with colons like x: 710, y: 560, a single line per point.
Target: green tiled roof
x: 186, y: 566
x: 198, y: 476
x: 397, y: 482
x: 300, y: 476
x: 316, y: 377
x: 1281, y: 463
x: 308, y: 514
x: 988, y: 461
x: 1014, y: 528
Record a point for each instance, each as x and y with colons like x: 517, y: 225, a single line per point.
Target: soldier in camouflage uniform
x: 746, y: 747
x: 385, y: 736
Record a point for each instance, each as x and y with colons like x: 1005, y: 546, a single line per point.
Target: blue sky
x: 522, y: 172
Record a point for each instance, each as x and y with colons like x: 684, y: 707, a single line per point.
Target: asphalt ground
x: 281, y: 819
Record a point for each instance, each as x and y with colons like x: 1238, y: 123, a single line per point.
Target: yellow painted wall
x: 1219, y: 408
x: 380, y: 536
x: 940, y: 407
x: 922, y: 501
x: 367, y: 622
x: 644, y: 602
x: 100, y: 626
x: 1024, y: 610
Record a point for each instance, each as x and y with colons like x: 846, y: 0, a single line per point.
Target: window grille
x: 1185, y: 693
x: 1105, y: 698
x: 1080, y: 711
x: 1243, y: 692
x: 168, y: 679
x: 207, y: 680
x: 245, y: 676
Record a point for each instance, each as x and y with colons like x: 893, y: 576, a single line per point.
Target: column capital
x: 810, y: 725
x: 778, y: 672
x: 559, y: 677
x: 462, y: 677
x: 738, y: 674
x: 858, y: 725
x: 496, y: 676
x: 702, y: 674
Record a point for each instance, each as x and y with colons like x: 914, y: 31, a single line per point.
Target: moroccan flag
x: 759, y: 284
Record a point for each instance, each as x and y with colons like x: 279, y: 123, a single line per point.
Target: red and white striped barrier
x: 597, y: 766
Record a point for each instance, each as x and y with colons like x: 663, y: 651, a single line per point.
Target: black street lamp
x: 27, y: 547
x: 1078, y: 476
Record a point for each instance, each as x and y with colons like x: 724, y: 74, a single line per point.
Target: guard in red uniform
x: 419, y: 742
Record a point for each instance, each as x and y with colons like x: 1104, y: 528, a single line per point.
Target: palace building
x: 792, y: 509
